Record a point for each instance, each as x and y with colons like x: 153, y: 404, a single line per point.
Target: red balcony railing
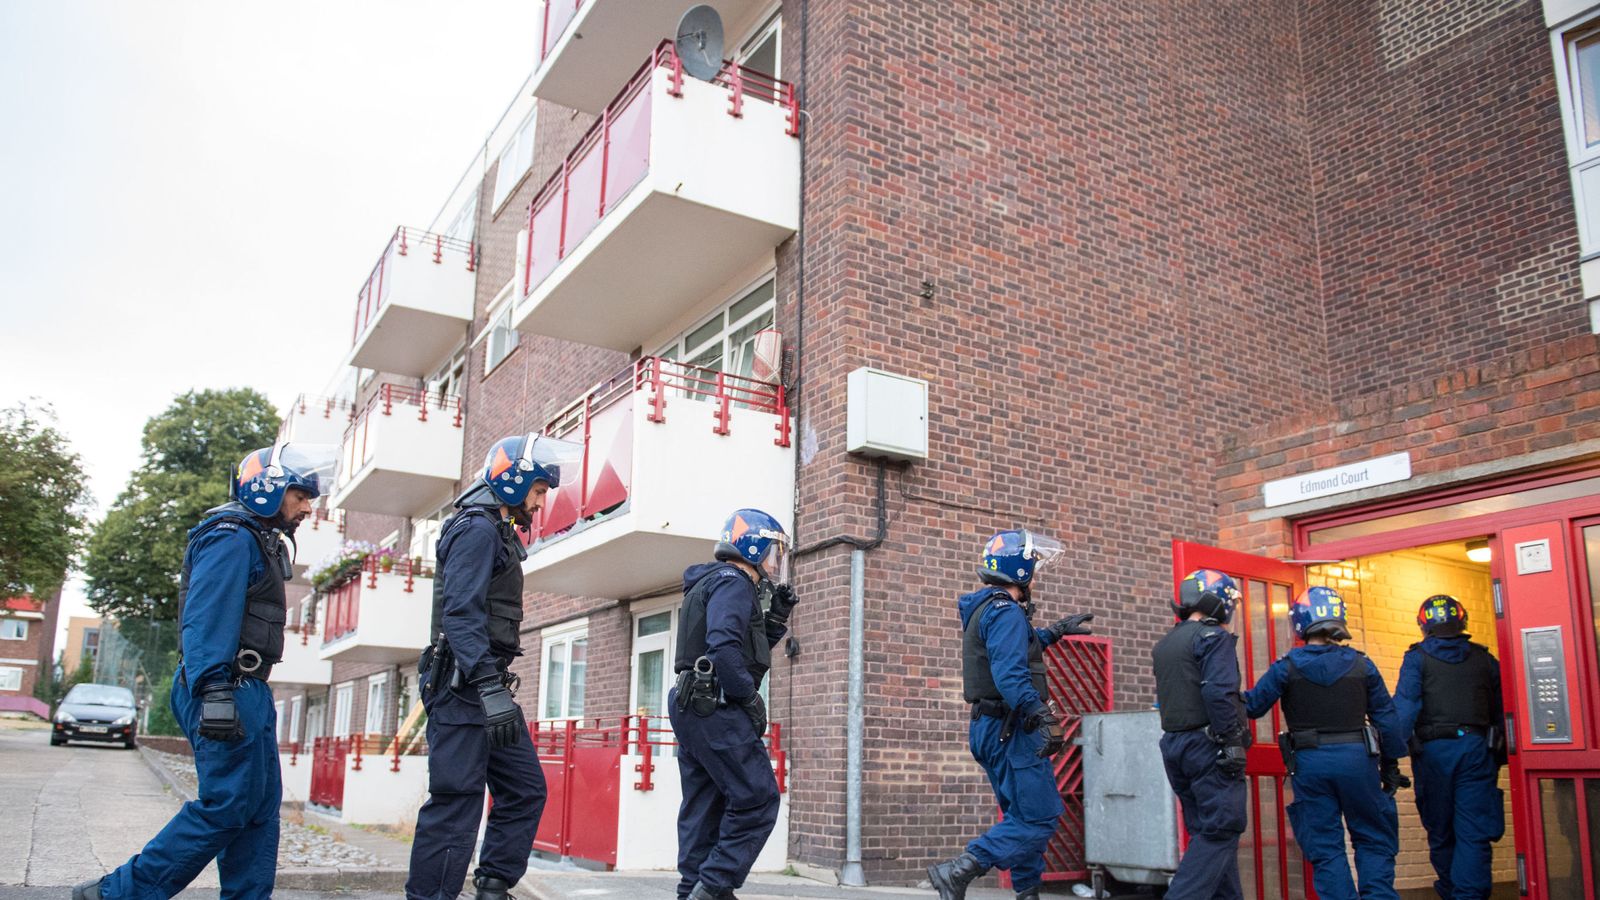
x: 391, y: 399
x: 614, y: 155
x: 604, y: 482
x: 342, y: 605
x: 404, y: 242
x: 305, y: 407
x: 558, y: 14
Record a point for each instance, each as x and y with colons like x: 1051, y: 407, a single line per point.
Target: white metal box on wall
x: 887, y: 415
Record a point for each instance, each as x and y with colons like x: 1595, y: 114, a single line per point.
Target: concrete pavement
x: 75, y: 812
x: 549, y: 885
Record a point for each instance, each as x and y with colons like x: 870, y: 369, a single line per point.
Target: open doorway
x: 1382, y: 592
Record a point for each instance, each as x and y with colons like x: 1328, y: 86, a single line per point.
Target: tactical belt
x: 1303, y: 740
x: 1448, y: 732
x: 995, y: 709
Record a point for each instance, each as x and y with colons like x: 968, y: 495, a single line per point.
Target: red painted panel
x: 629, y: 154
x: 1535, y: 600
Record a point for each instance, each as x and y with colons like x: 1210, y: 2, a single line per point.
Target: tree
x: 135, y: 555
x: 43, y: 496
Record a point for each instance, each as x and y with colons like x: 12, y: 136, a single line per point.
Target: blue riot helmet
x: 757, y: 538
x: 514, y: 464
x: 1014, y: 557
x: 262, y: 477
x: 1319, y: 612
x: 1214, y: 594
x: 1442, y: 614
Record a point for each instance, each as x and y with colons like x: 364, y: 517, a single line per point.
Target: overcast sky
x: 192, y: 192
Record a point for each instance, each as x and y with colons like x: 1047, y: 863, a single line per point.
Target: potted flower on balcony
x: 343, y: 565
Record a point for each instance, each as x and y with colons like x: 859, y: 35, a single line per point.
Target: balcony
x: 585, y: 45
x: 302, y: 663
x: 315, y: 420
x: 678, y: 188
x: 318, y: 537
x: 402, y: 454
x: 379, y: 616
x: 416, y: 304
x: 669, y: 450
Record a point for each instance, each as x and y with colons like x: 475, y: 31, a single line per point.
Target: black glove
x: 1078, y: 624
x: 1231, y: 760
x: 756, y: 709
x: 1393, y: 778
x: 219, y: 717
x: 500, y: 712
x: 783, y: 601
x: 1045, y: 719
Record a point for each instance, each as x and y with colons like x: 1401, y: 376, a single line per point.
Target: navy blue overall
x: 235, y: 818
x: 1338, y: 784
x: 730, y: 795
x: 1213, y: 802
x: 460, y: 762
x: 1024, y: 784
x: 1457, y: 780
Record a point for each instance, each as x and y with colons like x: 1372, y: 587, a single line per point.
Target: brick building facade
x: 27, y: 634
x: 1147, y: 260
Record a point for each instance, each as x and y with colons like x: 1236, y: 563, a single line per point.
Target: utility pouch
x: 1304, y: 740
x: 703, y: 689
x: 1496, y: 740
x: 1369, y: 735
x: 1286, y: 750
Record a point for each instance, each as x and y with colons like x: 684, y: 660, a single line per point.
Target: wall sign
x: 1338, y: 480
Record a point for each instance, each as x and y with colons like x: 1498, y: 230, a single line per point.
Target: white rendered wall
x: 647, y: 821
x: 302, y: 662
x: 391, y: 624
x: 296, y: 778
x: 377, y: 796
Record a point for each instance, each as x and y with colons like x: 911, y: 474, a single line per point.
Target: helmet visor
x: 307, y: 466
x: 775, y: 565
x: 561, y: 459
x: 1043, y: 550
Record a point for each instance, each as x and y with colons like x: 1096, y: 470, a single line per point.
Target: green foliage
x: 42, y: 499
x: 50, y: 690
x: 135, y: 554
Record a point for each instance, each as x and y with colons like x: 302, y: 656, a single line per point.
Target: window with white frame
x: 296, y: 704
x: 446, y: 380
x: 1577, y: 50
x: 343, y: 701
x: 377, y: 694
x: 281, y: 719
x: 515, y: 160
x: 726, y: 341
x: 653, y: 629
x: 14, y: 629
x: 316, y: 718
x: 465, y: 224
x: 10, y: 678
x: 425, y: 534
x: 566, y: 665
x: 761, y: 51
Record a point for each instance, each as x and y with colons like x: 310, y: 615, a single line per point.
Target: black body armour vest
x: 1455, y: 694
x: 1330, y: 709
x: 265, y: 606
x: 1178, y: 697
x: 977, y: 679
x: 504, y: 596
x: 692, y: 628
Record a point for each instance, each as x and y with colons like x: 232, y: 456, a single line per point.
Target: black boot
x: 702, y: 892
x: 491, y: 888
x: 951, y: 877
x: 89, y: 890
x: 1029, y: 894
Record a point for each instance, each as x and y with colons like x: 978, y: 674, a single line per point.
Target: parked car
x: 96, y: 712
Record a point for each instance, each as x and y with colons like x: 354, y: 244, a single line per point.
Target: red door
x: 1270, y: 865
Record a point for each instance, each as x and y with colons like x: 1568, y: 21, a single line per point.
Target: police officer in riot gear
x: 1450, y: 707
x: 1341, y: 748
x: 1014, y: 730
x: 734, y: 610
x: 231, y: 611
x: 477, y: 736
x: 1206, y: 735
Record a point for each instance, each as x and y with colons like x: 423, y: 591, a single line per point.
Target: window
x: 425, y: 534
x: 14, y: 629
x: 279, y: 718
x: 566, y: 664
x: 296, y: 703
x: 501, y: 341
x: 377, y: 691
x: 726, y: 342
x: 316, y: 718
x: 343, y: 698
x: 761, y: 52
x: 1577, y: 51
x: 446, y: 381
x: 514, y: 161
x: 91, y: 641
x: 10, y: 678
x: 652, y: 659
x: 465, y: 224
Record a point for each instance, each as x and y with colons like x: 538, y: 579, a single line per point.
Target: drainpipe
x: 852, y: 874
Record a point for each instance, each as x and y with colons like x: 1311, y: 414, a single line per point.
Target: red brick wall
x: 1444, y: 208
x: 1523, y: 403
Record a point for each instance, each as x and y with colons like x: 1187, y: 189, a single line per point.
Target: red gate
x: 327, y: 771
x: 1079, y: 673
x: 1270, y: 864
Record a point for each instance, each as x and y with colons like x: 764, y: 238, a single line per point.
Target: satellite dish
x: 699, y: 42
